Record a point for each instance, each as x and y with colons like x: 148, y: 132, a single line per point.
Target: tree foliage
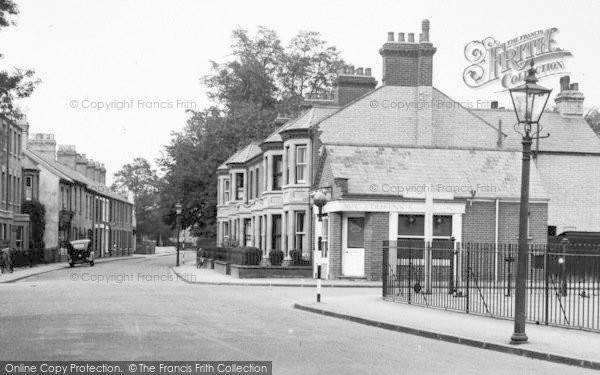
x: 19, y: 83
x: 142, y: 180
x: 592, y: 116
x: 263, y: 78
x: 37, y: 213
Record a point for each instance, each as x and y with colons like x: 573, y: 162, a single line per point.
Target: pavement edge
x: 594, y: 365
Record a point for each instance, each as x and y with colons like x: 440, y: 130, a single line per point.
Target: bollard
x: 318, y: 283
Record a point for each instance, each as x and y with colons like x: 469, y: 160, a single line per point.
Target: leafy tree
x: 142, y: 180
x: 262, y: 79
x: 592, y: 116
x: 37, y: 213
x: 17, y: 84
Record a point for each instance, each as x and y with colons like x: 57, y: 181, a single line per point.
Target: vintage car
x: 80, y: 251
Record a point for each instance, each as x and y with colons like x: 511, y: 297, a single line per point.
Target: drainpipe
x: 496, y: 242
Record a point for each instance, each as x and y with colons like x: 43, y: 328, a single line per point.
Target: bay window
x: 301, y: 164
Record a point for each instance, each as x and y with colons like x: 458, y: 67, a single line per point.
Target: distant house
x: 404, y: 161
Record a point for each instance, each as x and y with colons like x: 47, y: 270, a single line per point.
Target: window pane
x: 411, y: 225
x: 442, y: 225
x: 356, y: 234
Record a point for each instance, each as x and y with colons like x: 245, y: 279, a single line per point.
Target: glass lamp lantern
x: 529, y: 99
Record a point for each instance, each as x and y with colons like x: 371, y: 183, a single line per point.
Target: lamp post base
x: 518, y: 338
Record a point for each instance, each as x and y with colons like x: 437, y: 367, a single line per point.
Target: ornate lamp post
x: 178, y: 224
x: 529, y: 101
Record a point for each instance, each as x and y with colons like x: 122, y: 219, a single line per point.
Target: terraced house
x: 402, y: 160
x: 78, y: 203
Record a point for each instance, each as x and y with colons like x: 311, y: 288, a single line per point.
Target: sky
x: 141, y: 60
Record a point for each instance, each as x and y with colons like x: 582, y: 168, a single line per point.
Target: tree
x: 592, y: 116
x: 17, y: 84
x: 142, y: 180
x: 261, y: 80
x: 37, y: 213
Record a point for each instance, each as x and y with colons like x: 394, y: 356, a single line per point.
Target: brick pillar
x: 376, y: 231
x: 335, y: 245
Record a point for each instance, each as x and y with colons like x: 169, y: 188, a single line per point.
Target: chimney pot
x: 564, y: 83
x: 574, y: 86
x: 425, y: 31
x: 359, y: 71
x: 411, y: 37
x: 401, y: 37
x: 390, y: 36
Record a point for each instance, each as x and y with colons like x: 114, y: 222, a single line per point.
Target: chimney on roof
x: 44, y: 145
x: 97, y: 172
x: 408, y: 63
x: 353, y: 84
x: 81, y: 163
x: 569, y: 101
x: 102, y: 174
x: 90, y: 169
x: 24, y: 124
x: 67, y: 156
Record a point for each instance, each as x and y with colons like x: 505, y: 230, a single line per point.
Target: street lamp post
x: 320, y: 200
x: 178, y: 224
x: 529, y: 101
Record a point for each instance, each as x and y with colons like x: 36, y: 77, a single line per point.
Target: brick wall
x: 335, y: 245
x: 376, y: 231
x: 479, y: 222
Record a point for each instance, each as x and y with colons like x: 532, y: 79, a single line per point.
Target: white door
x: 353, y: 249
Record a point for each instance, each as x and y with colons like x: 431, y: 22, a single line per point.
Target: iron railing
x: 563, y: 284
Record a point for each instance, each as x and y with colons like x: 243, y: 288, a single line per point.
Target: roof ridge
x: 469, y: 110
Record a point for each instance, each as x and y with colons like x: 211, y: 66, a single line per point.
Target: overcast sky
x: 118, y: 50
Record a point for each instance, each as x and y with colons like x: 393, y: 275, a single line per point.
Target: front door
x: 353, y: 250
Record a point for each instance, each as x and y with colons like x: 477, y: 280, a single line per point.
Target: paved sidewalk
x: 568, y: 346
x: 21, y: 273
x: 190, y: 274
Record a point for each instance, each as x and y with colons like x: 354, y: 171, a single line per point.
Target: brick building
x: 78, y: 203
x: 14, y: 226
x: 404, y: 161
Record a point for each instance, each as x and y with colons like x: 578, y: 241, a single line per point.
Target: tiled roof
x: 247, y: 153
x: 567, y: 134
x: 71, y: 175
x: 390, y: 115
x: 493, y: 174
x: 306, y: 119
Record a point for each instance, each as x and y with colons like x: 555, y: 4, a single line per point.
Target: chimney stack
x: 24, y: 124
x: 408, y: 63
x: 353, y: 84
x: 81, y: 164
x: 102, y: 174
x: 90, y: 169
x: 569, y: 101
x: 67, y: 156
x: 97, y: 172
x: 44, y: 145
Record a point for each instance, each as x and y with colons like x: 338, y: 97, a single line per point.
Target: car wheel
x: 92, y: 263
x: 72, y: 264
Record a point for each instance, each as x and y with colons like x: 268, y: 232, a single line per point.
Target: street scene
x: 254, y: 188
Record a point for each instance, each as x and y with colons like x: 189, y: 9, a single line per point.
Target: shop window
x: 356, y: 234
x: 442, y: 226
x: 411, y: 226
